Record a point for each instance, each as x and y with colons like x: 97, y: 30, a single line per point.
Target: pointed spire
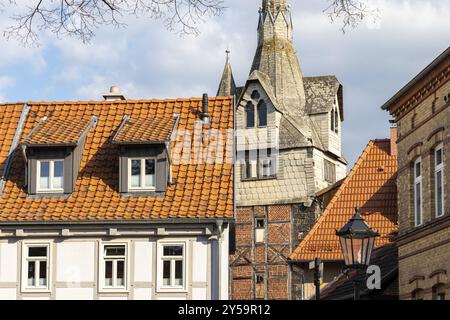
x: 276, y: 56
x: 227, y: 86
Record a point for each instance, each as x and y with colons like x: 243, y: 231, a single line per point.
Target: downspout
x: 15, y: 143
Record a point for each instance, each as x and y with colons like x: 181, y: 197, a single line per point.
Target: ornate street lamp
x: 357, y: 241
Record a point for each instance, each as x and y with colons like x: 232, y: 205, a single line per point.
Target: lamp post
x: 357, y: 242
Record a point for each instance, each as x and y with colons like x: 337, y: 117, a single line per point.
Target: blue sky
x: 145, y: 60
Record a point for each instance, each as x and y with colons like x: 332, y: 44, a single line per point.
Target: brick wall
x: 424, y: 250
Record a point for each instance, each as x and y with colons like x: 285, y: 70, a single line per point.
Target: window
x: 250, y: 115
x: 329, y: 171
x: 114, y: 266
x: 36, y: 267
x: 255, y: 95
x: 172, y: 266
x: 260, y: 231
x: 418, y: 191
x: 50, y: 175
x: 417, y: 294
x: 439, y: 180
x: 259, y: 284
x: 332, y: 124
x: 262, y: 114
x: 259, y: 164
x: 439, y: 292
x: 336, y: 121
x: 251, y: 166
x: 142, y: 174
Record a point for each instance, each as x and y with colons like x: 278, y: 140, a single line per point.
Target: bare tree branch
x: 351, y: 12
x: 81, y: 18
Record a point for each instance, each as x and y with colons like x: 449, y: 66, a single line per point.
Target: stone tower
x: 288, y: 149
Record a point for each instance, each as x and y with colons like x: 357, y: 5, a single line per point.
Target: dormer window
x: 142, y: 173
x: 50, y: 175
x: 144, y: 155
x: 53, y: 152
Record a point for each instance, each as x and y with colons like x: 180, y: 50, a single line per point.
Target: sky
x: 372, y: 61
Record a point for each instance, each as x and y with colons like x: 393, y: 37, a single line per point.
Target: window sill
x: 259, y: 179
x: 37, y: 290
x: 113, y: 290
x: 49, y: 196
x: 144, y: 194
x: 172, y: 290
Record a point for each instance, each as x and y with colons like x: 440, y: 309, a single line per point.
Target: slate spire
x: 227, y: 86
x: 276, y: 57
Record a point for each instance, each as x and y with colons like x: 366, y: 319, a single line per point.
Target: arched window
x: 250, y: 114
x: 262, y: 114
x: 255, y: 95
x: 417, y: 294
x: 336, y: 121
x: 439, y: 292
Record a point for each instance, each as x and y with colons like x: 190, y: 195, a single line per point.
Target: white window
x: 439, y: 179
x: 50, y: 176
x: 172, y: 266
x: 114, y: 266
x: 36, y: 267
x: 141, y: 174
x: 418, y: 192
x: 260, y: 231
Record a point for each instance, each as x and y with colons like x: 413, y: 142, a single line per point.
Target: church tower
x: 288, y: 144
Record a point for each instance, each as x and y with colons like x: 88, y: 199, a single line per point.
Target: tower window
x: 336, y: 121
x: 333, y: 123
x: 262, y: 114
x: 255, y: 95
x: 250, y: 115
x: 329, y: 171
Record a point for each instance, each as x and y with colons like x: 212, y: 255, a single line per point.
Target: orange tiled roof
x: 154, y: 129
x: 370, y: 185
x: 198, y: 191
x: 9, y: 119
x: 58, y: 131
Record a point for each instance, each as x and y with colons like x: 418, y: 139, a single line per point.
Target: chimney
x: 394, y: 137
x: 114, y: 94
x: 205, y: 111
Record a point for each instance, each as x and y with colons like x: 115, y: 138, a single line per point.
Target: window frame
x: 143, y: 187
x: 439, y: 168
x: 160, y: 266
x: 418, y: 181
x: 329, y: 168
x: 51, y: 176
x: 25, y: 288
x: 102, y: 288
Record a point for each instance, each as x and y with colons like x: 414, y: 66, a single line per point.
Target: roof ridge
x: 118, y: 102
x: 352, y: 172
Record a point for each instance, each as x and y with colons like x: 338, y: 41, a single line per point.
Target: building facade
x: 422, y: 112
x: 111, y: 199
x: 288, y: 147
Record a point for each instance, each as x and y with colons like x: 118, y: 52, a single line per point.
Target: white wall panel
x: 74, y: 294
x: 7, y: 294
x: 143, y: 261
x: 75, y: 262
x: 200, y: 261
x: 8, y: 262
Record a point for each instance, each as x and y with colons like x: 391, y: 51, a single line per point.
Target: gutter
x: 118, y: 222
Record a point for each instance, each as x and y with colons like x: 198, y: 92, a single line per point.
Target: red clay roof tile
x: 371, y: 185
